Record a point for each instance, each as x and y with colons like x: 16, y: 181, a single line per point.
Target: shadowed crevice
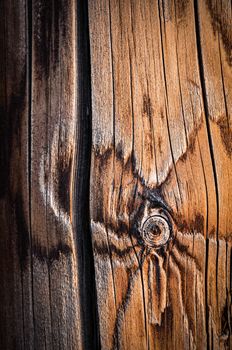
x: 87, y: 287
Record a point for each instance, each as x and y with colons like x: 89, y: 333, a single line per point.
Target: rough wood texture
x: 115, y: 174
x: 162, y: 133
x: 45, y: 126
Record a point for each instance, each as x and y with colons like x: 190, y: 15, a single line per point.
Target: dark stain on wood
x: 23, y: 238
x: 49, y: 30
x: 162, y: 116
x: 135, y: 209
x: 156, y: 199
x: 184, y: 252
x: 212, y: 232
x: 4, y: 153
x: 105, y: 250
x: 119, y: 151
x: 128, y: 164
x: 221, y: 24
x: 166, y: 322
x: 160, y: 144
x: 168, y: 9
x: 181, y: 6
x: 43, y: 33
x: 49, y: 255
x: 226, y: 134
x: 226, y: 324
x: 192, y: 137
x: 64, y: 183
x: 147, y: 107
x: 10, y: 127
x: 103, y: 157
x: 196, y: 225
x: 157, y: 275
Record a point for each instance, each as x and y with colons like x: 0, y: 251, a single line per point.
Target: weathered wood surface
x: 162, y: 136
x: 45, y: 243
x: 123, y: 107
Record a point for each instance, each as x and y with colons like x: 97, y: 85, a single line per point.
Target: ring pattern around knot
x: 156, y: 231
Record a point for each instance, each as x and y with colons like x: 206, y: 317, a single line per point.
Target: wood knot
x: 156, y: 231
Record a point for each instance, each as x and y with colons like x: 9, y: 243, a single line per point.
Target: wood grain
x: 46, y: 300
x: 217, y: 89
x: 161, y: 125
x: 16, y: 296
x: 53, y: 123
x: 115, y: 174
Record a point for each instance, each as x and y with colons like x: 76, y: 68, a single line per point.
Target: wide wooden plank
x: 156, y: 162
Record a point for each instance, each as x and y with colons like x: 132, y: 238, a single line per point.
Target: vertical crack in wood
x: 207, y: 117
x: 87, y: 287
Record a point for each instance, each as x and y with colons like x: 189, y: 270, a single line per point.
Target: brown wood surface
x: 114, y: 113
x: 162, y: 136
x: 45, y: 268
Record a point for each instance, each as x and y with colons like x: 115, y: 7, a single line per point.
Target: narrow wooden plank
x: 16, y: 305
x: 53, y: 156
x: 214, y: 21
x: 152, y: 156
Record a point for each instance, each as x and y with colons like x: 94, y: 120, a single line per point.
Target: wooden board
x: 161, y: 125
x: 45, y: 126
x: 16, y: 296
x: 115, y: 174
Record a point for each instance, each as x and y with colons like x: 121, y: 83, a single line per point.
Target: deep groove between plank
x: 87, y: 287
